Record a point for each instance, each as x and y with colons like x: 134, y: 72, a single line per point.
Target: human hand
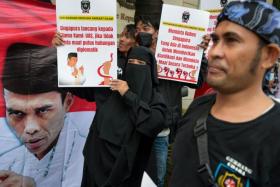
x: 119, y: 85
x: 57, y: 40
x: 205, y: 42
x: 106, y: 67
x: 81, y: 69
x: 75, y: 72
x: 9, y: 178
x: 192, y: 73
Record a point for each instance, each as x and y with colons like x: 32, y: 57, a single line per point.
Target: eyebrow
x: 36, y: 109
x: 231, y: 35
x: 43, y: 107
x: 226, y: 35
x: 11, y: 110
x: 213, y: 35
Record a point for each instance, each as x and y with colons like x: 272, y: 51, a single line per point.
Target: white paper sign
x: 177, y: 53
x: 89, y: 56
x: 214, y: 7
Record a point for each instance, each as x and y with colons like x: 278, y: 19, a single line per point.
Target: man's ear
x: 270, y: 53
x: 68, y: 101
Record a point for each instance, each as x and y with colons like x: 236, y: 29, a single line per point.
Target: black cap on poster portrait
x: 30, y: 69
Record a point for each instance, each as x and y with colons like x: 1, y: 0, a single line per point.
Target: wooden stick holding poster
x: 177, y: 53
x: 89, y: 56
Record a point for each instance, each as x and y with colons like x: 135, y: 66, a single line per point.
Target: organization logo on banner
x: 185, y: 17
x: 85, y: 5
x: 223, y: 3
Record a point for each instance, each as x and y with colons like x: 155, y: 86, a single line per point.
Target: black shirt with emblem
x: 241, y: 154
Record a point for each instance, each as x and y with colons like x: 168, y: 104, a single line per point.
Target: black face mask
x: 139, y: 80
x: 144, y: 39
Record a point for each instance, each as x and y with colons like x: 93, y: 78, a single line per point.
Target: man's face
x: 37, y: 119
x: 72, y: 61
x: 126, y: 42
x: 234, y: 59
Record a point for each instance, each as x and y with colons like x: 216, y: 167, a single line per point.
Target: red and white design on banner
x: 29, y: 21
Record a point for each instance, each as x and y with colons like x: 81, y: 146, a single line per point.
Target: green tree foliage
x: 276, y: 3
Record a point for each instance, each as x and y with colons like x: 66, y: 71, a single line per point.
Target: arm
x: 8, y: 178
x: 149, y: 118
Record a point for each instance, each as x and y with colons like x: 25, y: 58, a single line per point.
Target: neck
x: 242, y: 106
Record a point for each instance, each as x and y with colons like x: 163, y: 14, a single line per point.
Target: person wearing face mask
x: 147, y: 20
x: 129, y: 116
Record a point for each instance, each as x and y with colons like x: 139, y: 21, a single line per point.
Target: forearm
x: 149, y: 119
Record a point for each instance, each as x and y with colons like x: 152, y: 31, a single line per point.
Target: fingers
x: 57, y: 40
x: 205, y: 42
x: 4, y: 174
x: 114, y: 84
x: 206, y: 37
x: 9, y: 178
x: 119, y: 85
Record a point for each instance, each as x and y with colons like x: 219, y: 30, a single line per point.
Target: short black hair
x: 131, y: 30
x: 72, y: 54
x: 147, y: 19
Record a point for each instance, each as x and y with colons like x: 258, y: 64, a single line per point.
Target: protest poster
x: 214, y: 7
x: 89, y: 30
x: 177, y: 52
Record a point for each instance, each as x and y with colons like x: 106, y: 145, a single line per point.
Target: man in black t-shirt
x: 242, y: 124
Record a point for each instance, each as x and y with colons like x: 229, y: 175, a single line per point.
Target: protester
x: 147, y: 20
x: 126, y: 41
x: 231, y: 138
x: 127, y: 120
x: 36, y: 110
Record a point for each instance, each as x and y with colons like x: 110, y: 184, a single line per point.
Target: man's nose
x: 122, y: 38
x: 216, y: 50
x: 31, y: 127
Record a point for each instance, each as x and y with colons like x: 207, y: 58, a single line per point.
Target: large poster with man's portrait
x: 43, y: 128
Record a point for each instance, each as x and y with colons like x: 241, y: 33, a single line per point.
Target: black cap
x: 30, y: 69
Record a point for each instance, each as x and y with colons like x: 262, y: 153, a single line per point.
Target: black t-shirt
x: 241, y: 155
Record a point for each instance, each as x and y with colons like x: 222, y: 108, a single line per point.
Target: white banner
x: 89, y: 30
x: 177, y: 53
x: 214, y: 7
